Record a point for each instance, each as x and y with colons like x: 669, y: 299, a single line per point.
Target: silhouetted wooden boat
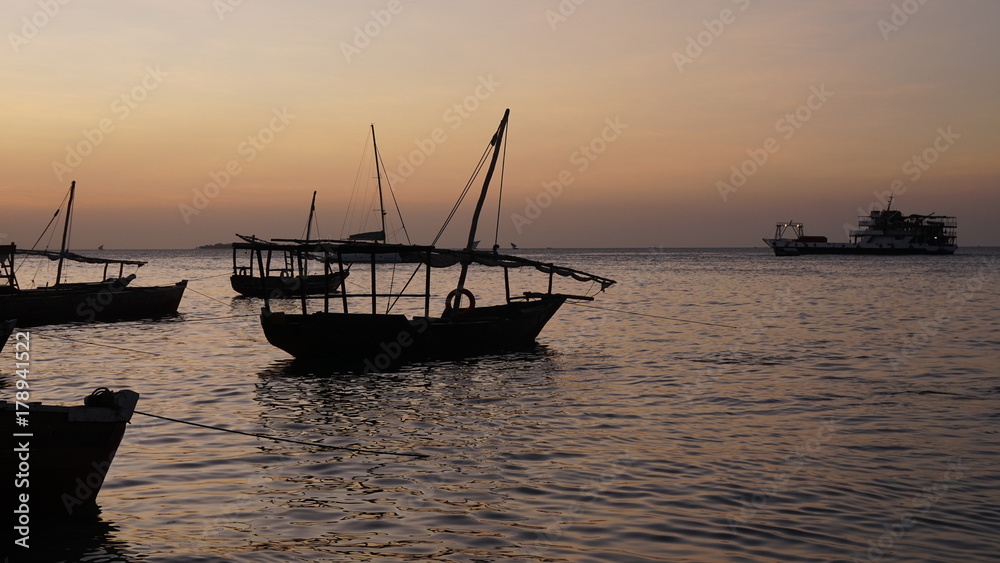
x: 59, y: 455
x: 376, y: 340
x: 278, y: 271
x: 275, y: 269
x: 111, y: 299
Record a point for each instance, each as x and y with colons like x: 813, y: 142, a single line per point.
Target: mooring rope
x: 675, y: 319
x: 209, y: 277
x: 49, y: 334
x: 210, y: 297
x: 277, y: 439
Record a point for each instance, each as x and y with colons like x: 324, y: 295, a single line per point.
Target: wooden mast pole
x: 486, y: 183
x: 65, y: 235
x: 378, y: 176
x: 312, y: 213
x: 303, y: 261
x: 479, y: 205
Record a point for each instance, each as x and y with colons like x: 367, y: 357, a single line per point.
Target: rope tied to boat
x: 675, y: 319
x: 279, y: 439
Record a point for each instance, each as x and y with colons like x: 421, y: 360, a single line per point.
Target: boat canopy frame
x: 7, y: 271
x: 332, y: 255
x: 7, y: 266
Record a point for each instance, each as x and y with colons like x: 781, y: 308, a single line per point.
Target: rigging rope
x: 354, y: 191
x: 278, y: 439
x: 468, y: 186
x: 402, y: 291
x: 393, y: 195
x: 503, y: 167
x: 52, y: 220
x: 48, y: 242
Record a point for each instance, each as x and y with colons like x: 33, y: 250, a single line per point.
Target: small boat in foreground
x: 111, y: 299
x: 881, y: 232
x: 379, y: 339
x: 62, y: 454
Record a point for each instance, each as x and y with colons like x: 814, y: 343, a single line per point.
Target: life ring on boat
x: 449, y: 302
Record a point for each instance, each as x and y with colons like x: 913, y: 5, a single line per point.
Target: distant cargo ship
x: 882, y: 232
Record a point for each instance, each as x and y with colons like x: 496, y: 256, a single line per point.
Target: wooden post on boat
x: 374, y: 286
x: 312, y: 211
x: 62, y: 250
x: 260, y: 264
x: 497, y: 138
x: 343, y: 278
x: 427, y: 287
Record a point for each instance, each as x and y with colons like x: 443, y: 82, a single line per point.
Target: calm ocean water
x: 848, y: 410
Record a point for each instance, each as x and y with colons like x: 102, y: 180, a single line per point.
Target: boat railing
x: 338, y: 257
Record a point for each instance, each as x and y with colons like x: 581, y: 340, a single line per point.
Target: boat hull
x: 795, y: 248
x: 284, y: 287
x: 6, y: 329
x: 69, y: 452
x: 379, y: 342
x: 106, y: 303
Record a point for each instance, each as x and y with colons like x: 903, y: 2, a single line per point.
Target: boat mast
x: 479, y: 206
x: 378, y: 176
x: 486, y: 183
x: 62, y: 250
x: 312, y: 212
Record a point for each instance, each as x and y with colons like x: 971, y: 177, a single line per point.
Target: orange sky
x: 653, y: 123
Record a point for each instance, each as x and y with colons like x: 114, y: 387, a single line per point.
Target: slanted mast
x: 65, y: 236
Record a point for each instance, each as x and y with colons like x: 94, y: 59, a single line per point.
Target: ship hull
x: 795, y: 248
